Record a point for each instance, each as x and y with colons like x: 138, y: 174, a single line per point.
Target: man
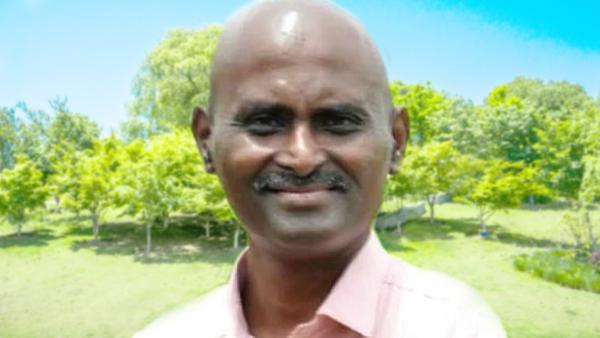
x: 301, y: 132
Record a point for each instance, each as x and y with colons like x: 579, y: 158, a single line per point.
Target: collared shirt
x: 377, y: 296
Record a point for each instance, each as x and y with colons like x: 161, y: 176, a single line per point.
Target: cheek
x: 237, y: 159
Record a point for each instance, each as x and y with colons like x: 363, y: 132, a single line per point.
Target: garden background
x: 101, y: 232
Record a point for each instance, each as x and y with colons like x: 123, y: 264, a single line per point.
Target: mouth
x: 302, y: 189
x: 296, y: 198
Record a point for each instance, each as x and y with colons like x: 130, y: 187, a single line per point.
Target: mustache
x: 279, y: 180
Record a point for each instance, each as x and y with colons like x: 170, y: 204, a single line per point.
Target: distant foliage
x: 423, y: 103
x: 497, y: 185
x: 427, y: 171
x: 172, y: 81
x: 88, y: 179
x: 21, y: 192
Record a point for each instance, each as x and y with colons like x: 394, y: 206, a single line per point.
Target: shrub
x: 564, y: 267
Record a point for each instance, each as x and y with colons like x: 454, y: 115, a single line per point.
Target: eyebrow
x: 251, y: 108
x: 260, y: 107
x: 345, y: 108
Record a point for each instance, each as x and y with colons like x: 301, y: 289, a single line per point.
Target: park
x: 101, y: 234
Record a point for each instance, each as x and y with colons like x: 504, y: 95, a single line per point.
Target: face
x: 302, y: 150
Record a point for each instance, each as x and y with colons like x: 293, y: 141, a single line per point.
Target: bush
x: 565, y: 267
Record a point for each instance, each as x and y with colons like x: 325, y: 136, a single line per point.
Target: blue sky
x: 89, y: 51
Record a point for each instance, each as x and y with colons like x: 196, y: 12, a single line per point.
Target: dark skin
x: 299, y: 92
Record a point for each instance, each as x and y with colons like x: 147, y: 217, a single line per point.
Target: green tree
x: 431, y: 169
x: 21, y: 191
x: 72, y: 128
x: 68, y: 133
x: 423, y: 103
x: 589, y: 194
x: 9, y: 131
x: 541, y: 123
x: 33, y: 137
x: 173, y: 80
x: 206, y: 196
x: 461, y: 123
x: 90, y: 179
x: 497, y: 185
x: 561, y: 149
x: 157, y: 178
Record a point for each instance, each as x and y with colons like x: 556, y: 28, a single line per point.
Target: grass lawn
x: 55, y: 283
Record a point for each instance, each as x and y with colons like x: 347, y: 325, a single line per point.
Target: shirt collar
x: 352, y: 301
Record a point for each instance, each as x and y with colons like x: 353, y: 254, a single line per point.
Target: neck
x: 279, y: 294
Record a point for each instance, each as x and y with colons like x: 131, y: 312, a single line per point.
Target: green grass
x: 528, y: 306
x: 55, y: 283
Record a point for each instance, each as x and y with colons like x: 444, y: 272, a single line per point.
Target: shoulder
x: 200, y: 315
x: 428, y: 297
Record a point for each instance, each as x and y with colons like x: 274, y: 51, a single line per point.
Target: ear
x: 400, y: 132
x: 201, y: 129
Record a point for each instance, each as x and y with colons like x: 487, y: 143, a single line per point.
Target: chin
x: 309, y: 237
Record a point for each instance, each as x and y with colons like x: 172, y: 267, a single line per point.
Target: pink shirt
x: 377, y: 296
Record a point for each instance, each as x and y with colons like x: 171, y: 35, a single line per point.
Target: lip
x: 303, y: 189
x: 303, y: 197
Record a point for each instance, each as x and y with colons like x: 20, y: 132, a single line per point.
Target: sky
x: 90, y: 51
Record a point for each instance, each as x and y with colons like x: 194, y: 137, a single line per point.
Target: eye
x: 264, y: 124
x: 340, y: 124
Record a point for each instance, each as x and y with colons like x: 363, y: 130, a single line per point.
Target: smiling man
x: 302, y: 134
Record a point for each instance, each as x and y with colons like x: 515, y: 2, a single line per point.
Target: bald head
x: 271, y: 34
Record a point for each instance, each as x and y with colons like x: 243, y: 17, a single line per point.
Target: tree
x: 33, y: 137
x: 423, y: 104
x: 590, y: 193
x: 72, y: 128
x: 9, y: 131
x: 497, y: 185
x: 541, y: 123
x: 21, y: 191
x: 173, y: 80
x: 156, y: 178
x: 432, y: 169
x: 461, y: 123
x: 206, y: 195
x: 68, y: 133
x: 561, y: 150
x: 89, y: 179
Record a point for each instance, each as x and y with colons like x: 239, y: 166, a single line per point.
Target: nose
x: 301, y: 153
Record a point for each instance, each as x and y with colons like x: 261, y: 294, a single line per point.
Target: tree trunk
x: 148, y: 238
x: 57, y: 201
x: 431, y: 202
x: 207, y: 229
x: 591, y: 236
x: 483, y: 231
x: 96, y: 226
x: 19, y: 227
x: 236, y: 237
x: 166, y: 221
x: 531, y: 200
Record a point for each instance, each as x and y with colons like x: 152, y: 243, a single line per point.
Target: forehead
x: 299, y: 84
